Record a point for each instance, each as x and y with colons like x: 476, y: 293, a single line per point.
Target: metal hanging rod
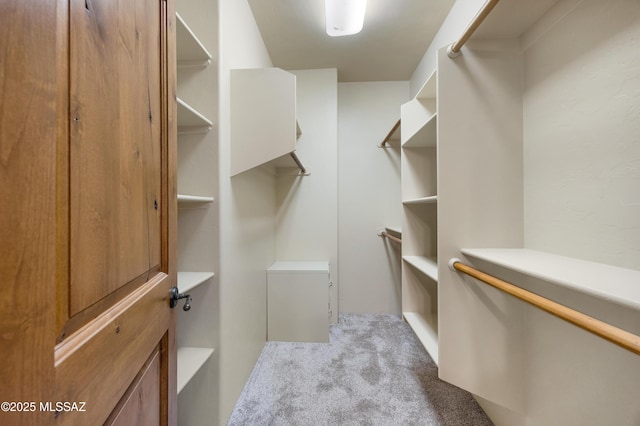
x: 622, y: 338
x: 385, y: 234
x: 454, y: 50
x: 388, y: 137
x: 298, y: 163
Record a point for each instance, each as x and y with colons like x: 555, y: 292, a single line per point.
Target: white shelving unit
x: 190, y: 361
x: 197, y: 145
x: 420, y: 212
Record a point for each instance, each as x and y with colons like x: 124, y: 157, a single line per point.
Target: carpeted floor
x: 373, y: 371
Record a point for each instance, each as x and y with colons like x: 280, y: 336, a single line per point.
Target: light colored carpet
x: 373, y: 371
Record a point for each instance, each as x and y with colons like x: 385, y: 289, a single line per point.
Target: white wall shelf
x: 419, y: 166
x: 611, y: 283
x: 185, y: 199
x: 190, y: 361
x: 423, y: 200
x: 190, y: 50
x: 426, y: 328
x: 190, y: 120
x: 427, y: 265
x: 190, y: 280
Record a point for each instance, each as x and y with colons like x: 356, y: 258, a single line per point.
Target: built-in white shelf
x: 425, y: 136
x: 190, y: 360
x: 611, y: 283
x: 427, y: 265
x: 426, y: 328
x: 423, y: 200
x: 190, y: 120
x: 189, y: 49
x: 184, y: 199
x: 190, y: 280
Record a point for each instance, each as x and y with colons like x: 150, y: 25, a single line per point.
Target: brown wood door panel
x: 97, y: 364
x: 28, y: 128
x: 88, y: 223
x: 140, y: 405
x: 115, y: 151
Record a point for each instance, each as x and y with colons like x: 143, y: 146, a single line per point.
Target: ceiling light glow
x: 344, y: 17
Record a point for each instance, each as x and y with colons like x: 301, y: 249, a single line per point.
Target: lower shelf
x: 426, y: 328
x: 190, y: 360
x: 426, y: 265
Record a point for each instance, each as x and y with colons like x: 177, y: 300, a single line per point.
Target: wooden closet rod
x: 622, y: 338
x: 385, y: 234
x: 454, y: 50
x: 388, y: 137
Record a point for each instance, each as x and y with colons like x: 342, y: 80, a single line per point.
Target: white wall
x: 247, y: 222
x: 582, y: 135
x: 307, y: 217
x: 453, y: 26
x: 369, y: 196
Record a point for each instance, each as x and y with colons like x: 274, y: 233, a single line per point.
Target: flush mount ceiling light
x: 344, y: 17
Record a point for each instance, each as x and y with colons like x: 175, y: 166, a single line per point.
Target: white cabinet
x: 298, y: 301
x: 263, y: 120
x: 420, y: 215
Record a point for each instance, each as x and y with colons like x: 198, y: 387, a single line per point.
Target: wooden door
x: 88, y: 212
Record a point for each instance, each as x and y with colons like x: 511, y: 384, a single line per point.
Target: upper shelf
x: 419, y: 117
x: 611, y: 283
x: 263, y: 118
x: 189, y: 49
x: 190, y: 120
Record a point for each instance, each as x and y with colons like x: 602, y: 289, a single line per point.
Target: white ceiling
x: 395, y: 36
